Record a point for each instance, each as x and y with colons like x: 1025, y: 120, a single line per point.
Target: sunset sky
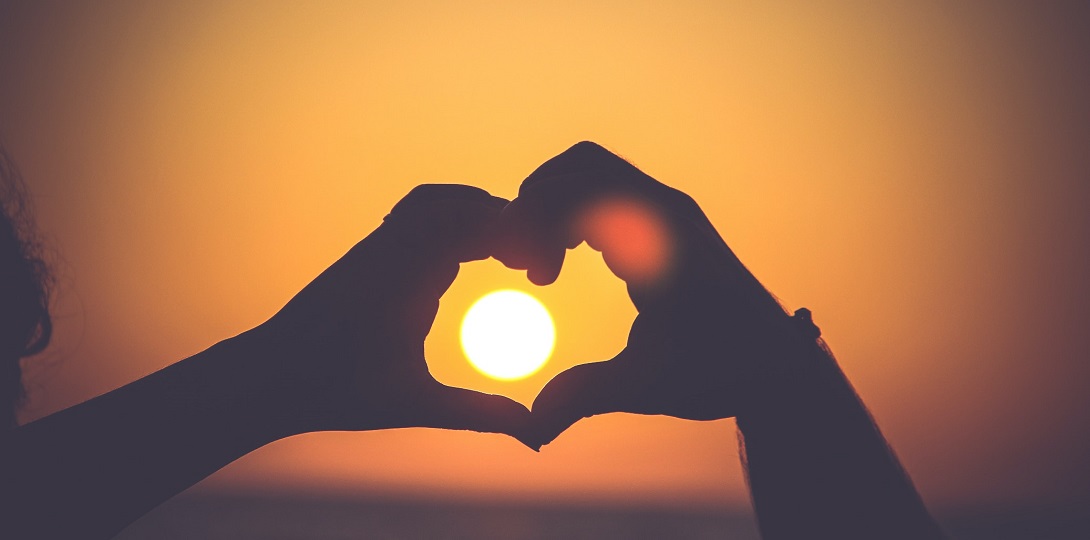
x: 916, y: 173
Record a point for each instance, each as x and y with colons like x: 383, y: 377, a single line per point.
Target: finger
x: 451, y: 221
x: 536, y: 225
x: 458, y: 408
x: 581, y: 392
x: 434, y: 228
x: 524, y: 244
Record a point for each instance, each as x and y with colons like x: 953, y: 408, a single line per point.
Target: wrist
x: 797, y: 371
x: 267, y: 386
x: 806, y: 401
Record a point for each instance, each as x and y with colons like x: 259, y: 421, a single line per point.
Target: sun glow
x: 508, y: 335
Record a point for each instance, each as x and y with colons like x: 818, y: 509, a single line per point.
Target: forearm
x: 818, y: 467
x: 90, y: 470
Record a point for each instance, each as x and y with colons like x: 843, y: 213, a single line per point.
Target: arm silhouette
x: 346, y: 353
x: 709, y: 342
x: 816, y: 462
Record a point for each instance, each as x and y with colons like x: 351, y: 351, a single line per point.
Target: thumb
x: 581, y: 392
x: 459, y: 408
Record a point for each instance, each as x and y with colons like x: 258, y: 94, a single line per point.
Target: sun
x: 508, y: 335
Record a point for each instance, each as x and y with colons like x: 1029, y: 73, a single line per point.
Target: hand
x: 352, y: 342
x: 708, y: 339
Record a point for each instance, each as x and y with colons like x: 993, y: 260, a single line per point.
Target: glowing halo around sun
x: 508, y: 335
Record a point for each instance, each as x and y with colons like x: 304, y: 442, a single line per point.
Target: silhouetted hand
x: 353, y: 339
x: 708, y: 340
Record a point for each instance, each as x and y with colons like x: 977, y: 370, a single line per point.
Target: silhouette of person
x: 346, y: 353
x: 709, y: 342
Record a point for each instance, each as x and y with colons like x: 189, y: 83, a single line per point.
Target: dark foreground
x: 236, y: 517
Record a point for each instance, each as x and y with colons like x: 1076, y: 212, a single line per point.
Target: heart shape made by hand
x: 708, y: 341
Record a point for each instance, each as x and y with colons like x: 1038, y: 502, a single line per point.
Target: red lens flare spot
x: 632, y: 236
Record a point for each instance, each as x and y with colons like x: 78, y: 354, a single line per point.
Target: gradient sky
x: 916, y: 173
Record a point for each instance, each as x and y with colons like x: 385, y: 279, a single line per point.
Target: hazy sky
x: 916, y: 173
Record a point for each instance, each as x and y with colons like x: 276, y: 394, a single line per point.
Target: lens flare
x: 632, y: 237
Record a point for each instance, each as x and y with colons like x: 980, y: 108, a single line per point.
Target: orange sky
x: 915, y: 174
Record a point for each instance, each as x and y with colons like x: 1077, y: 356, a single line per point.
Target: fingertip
x: 548, y: 431
x: 523, y: 243
x: 551, y: 436
x: 544, y: 274
x: 556, y: 408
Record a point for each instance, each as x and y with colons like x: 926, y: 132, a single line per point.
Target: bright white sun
x: 508, y: 335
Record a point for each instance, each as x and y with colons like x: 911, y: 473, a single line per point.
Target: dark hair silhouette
x: 25, y: 324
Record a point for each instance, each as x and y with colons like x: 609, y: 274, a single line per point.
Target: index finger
x: 430, y: 231
x: 446, y: 220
